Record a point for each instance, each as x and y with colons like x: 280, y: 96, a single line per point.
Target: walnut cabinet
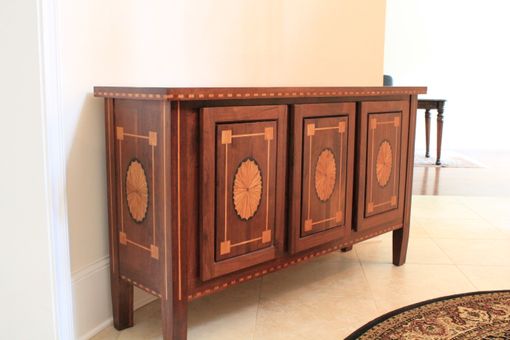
x: 212, y: 187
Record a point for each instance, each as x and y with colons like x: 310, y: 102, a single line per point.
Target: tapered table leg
x: 122, y: 303
x: 400, y: 242
x: 174, y: 316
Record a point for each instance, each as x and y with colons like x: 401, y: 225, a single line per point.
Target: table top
x: 225, y: 93
x: 431, y: 104
x: 431, y: 100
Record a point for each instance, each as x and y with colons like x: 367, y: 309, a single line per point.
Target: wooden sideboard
x: 211, y: 187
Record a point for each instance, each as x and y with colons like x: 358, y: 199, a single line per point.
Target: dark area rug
x: 479, y: 315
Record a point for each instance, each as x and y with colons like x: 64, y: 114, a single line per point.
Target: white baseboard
x: 92, y: 299
x: 96, y: 329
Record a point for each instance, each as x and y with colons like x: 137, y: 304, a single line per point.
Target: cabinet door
x: 322, y: 170
x: 383, y: 156
x: 243, y: 186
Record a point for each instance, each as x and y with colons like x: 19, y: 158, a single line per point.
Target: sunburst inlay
x: 325, y: 175
x: 137, y: 191
x: 384, y: 163
x: 247, y: 191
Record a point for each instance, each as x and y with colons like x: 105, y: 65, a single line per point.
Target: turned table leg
x: 440, y: 111
x: 427, y: 132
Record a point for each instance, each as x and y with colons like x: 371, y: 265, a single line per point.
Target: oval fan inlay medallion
x: 384, y: 163
x: 325, y: 175
x: 247, y: 189
x: 137, y: 191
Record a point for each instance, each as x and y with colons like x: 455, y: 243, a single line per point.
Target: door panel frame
x: 301, y: 112
x: 393, y: 216
x: 210, y: 118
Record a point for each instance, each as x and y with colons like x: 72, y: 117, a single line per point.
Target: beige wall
x: 251, y: 43
x: 191, y: 43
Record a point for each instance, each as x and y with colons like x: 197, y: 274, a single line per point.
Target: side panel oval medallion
x: 384, y: 163
x: 137, y: 191
x: 247, y: 191
x: 325, y: 174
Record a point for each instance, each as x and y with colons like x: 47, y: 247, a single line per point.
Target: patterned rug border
x: 363, y: 329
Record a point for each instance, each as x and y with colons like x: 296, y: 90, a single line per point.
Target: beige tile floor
x: 457, y: 244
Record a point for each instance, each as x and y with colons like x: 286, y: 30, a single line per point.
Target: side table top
x: 431, y: 100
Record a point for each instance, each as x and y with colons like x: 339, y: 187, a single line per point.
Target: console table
x: 427, y: 105
x: 212, y: 187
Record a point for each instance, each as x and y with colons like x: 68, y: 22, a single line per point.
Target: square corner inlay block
x: 119, y: 133
x: 153, y: 138
x: 341, y: 127
x: 266, y: 236
x: 310, y: 129
x: 154, y: 252
x: 308, y: 225
x: 226, y: 136
x: 268, y: 133
x: 225, y: 247
x: 339, y: 216
x: 122, y: 238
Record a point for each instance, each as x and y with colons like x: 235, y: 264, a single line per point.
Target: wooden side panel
x: 139, y: 191
x: 121, y: 290
x: 383, y: 156
x: 322, y: 173
x: 243, y: 189
x: 401, y: 236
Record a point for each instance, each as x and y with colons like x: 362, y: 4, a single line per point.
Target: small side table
x: 427, y: 105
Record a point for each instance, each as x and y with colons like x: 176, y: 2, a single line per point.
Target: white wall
x: 26, y: 287
x: 189, y: 43
x: 459, y: 49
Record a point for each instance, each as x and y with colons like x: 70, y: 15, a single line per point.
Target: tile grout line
x: 258, y: 308
x: 374, y: 301
x: 455, y: 264
x: 483, y: 217
x: 458, y: 200
x: 474, y: 211
x: 467, y: 277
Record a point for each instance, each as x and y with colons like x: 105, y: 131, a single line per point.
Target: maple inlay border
x: 190, y: 94
x: 383, y: 167
x: 112, y: 227
x: 248, y: 167
x: 311, y: 130
x: 137, y: 182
